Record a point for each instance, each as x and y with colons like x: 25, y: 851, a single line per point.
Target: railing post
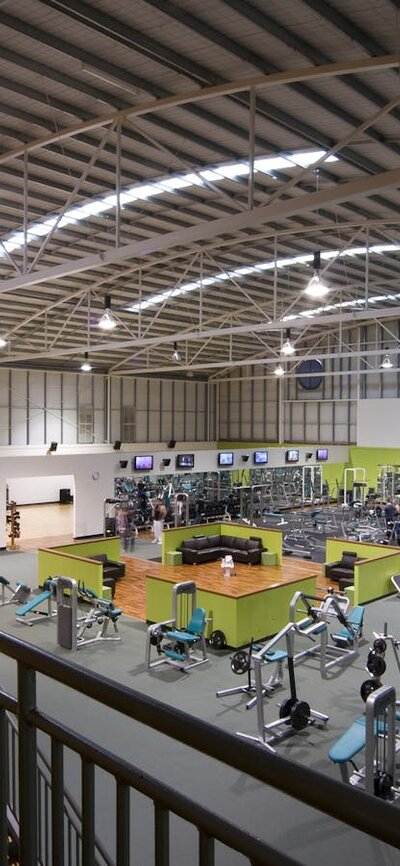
x: 161, y: 841
x: 206, y: 850
x: 88, y: 806
x: 3, y: 788
x: 27, y: 770
x: 123, y: 824
x: 57, y: 803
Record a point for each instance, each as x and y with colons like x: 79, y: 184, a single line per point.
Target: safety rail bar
x: 355, y: 808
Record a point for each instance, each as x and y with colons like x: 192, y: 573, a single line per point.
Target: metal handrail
x: 353, y: 807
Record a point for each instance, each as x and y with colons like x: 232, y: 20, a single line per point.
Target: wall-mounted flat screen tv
x: 184, y: 461
x: 225, y: 458
x: 292, y: 456
x: 260, y: 457
x: 322, y: 454
x: 143, y: 462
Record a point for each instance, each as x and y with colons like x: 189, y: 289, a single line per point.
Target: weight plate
x: 376, y: 664
x: 369, y: 686
x: 300, y: 715
x: 379, y: 645
x: 217, y: 639
x: 383, y: 783
x: 240, y: 662
x: 286, y: 708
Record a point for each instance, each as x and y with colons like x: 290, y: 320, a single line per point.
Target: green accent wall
x: 68, y: 560
x: 52, y: 563
x: 371, y: 577
x: 370, y: 458
x: 271, y: 538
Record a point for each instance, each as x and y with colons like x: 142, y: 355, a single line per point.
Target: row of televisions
x: 144, y: 462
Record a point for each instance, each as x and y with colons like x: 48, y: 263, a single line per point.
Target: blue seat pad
x: 183, y: 636
x: 350, y: 743
x: 34, y: 602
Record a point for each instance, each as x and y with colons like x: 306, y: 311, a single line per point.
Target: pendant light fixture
x: 176, y: 355
x: 387, y: 364
x: 316, y: 287
x: 107, y: 321
x: 287, y: 347
x: 86, y: 366
x: 279, y: 371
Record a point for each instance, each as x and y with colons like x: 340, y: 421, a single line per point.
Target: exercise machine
x: 332, y: 608
x: 40, y: 605
x: 241, y: 663
x: 71, y: 628
x: 176, y: 640
x: 294, y: 714
x: 376, y: 732
x: 17, y: 594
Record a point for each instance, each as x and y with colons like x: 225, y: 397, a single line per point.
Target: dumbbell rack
x: 13, y: 522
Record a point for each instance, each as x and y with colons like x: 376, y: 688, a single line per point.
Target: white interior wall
x: 28, y: 491
x: 93, y: 472
x: 378, y: 423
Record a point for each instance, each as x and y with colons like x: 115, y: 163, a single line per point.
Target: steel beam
x: 212, y: 228
x: 312, y: 73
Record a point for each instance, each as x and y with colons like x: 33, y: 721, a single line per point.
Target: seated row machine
x: 71, y: 628
x: 179, y: 641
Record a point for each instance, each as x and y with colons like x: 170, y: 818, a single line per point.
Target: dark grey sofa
x: 208, y: 548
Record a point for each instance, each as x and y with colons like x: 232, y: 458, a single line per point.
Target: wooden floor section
x: 131, y: 591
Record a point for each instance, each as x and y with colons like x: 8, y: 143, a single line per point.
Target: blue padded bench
x: 356, y: 620
x: 349, y: 744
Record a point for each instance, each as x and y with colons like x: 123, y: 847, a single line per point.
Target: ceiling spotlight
x: 107, y: 321
x: 3, y: 342
x: 85, y: 366
x: 386, y: 363
x: 279, y: 371
x: 288, y: 347
x: 316, y: 287
x: 176, y: 355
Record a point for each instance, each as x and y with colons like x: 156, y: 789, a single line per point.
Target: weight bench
x: 175, y: 644
x: 35, y: 602
x: 349, y: 745
x: 348, y: 636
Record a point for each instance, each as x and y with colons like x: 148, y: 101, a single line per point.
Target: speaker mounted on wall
x: 117, y: 445
x: 166, y: 461
x: 53, y: 447
x: 123, y: 464
x: 245, y: 458
x: 172, y: 443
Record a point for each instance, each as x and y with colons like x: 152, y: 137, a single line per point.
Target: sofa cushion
x: 241, y: 543
x: 99, y: 557
x: 254, y: 544
x: 348, y: 559
x: 213, y: 541
x: 201, y: 543
x: 227, y: 541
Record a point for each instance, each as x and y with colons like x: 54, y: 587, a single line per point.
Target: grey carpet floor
x: 294, y: 828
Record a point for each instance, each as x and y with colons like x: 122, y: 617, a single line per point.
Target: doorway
x: 45, y: 505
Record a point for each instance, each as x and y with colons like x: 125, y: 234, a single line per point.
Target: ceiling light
x: 176, y: 355
x: 85, y: 366
x: 386, y: 363
x: 3, y: 342
x: 279, y: 371
x: 288, y: 347
x: 107, y: 321
x: 316, y: 287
